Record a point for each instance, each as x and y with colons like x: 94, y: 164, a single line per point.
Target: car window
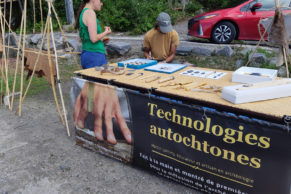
x: 270, y: 4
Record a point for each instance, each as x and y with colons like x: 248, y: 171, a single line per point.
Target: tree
x: 70, y: 12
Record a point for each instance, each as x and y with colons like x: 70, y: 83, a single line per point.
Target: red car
x: 240, y: 22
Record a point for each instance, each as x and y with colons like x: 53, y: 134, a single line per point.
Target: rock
x: 225, y: 51
x: 259, y: 58
x: 6, y: 98
x: 273, y: 60
x: 239, y: 63
x: 184, y: 50
x: 201, y: 51
x: 245, y: 51
x: 120, y: 48
x: 282, y: 72
x: 75, y: 44
x: 35, y: 39
x: 254, y: 64
x: 58, y: 42
x: 11, y: 38
x: 11, y: 53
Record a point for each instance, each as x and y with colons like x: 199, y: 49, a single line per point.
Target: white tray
x: 250, y: 75
x: 256, y: 92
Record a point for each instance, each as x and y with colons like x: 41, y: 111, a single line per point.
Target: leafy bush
x: 132, y: 15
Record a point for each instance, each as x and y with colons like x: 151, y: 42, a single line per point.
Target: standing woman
x: 92, y: 37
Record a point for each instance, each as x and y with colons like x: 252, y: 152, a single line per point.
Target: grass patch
x: 67, y: 67
x: 38, y: 85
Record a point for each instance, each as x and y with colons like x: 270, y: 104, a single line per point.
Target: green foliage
x: 135, y: 16
x: 193, y: 6
x: 132, y: 15
x: 268, y: 54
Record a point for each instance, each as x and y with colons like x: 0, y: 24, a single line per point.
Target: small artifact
x: 151, y: 79
x: 177, y: 83
x: 166, y: 79
x: 193, y: 85
x: 208, y: 89
x: 130, y: 73
x: 146, y: 77
x: 111, y: 69
x: 136, y: 76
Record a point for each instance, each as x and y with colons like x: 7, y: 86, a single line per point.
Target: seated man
x: 160, y: 43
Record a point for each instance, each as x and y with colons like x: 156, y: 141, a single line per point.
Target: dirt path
x: 36, y: 156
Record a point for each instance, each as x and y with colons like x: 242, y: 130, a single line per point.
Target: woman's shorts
x: 92, y: 59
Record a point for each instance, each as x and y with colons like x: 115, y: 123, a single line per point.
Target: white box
x: 251, y: 75
x: 238, y: 94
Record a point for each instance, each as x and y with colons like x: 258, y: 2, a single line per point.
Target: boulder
x: 120, y: 48
x: 258, y: 58
x: 75, y: 44
x: 11, y: 39
x: 184, y: 50
x: 282, y: 72
x: 201, y: 51
x: 35, y: 39
x: 224, y: 51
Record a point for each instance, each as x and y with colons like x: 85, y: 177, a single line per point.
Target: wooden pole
x: 286, y: 61
x: 58, y: 75
x: 4, y: 59
x: 22, y: 62
x: 51, y: 69
x: 63, y: 34
x: 41, y: 16
x: 34, y: 20
x: 17, y: 60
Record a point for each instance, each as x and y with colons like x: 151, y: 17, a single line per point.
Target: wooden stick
x: 22, y: 64
x: 9, y: 22
x: 58, y: 75
x: 17, y: 60
x: 51, y: 71
x: 166, y: 79
x: 136, y: 76
x: 142, y: 78
x: 33, y: 7
x: 41, y: 16
x: 63, y: 34
x: 152, y: 79
x: 4, y: 58
x: 286, y: 62
x: 36, y: 52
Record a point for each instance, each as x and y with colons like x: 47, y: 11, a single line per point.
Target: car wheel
x: 223, y: 33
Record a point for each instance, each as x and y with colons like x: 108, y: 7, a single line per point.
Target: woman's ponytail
x: 79, y: 12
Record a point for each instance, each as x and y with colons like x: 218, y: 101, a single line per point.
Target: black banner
x: 207, y: 150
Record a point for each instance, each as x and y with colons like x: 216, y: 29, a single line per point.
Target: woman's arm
x: 89, y: 19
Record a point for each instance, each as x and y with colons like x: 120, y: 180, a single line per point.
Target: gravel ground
x: 37, y: 156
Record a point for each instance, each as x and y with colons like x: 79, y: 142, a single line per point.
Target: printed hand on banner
x: 105, y: 105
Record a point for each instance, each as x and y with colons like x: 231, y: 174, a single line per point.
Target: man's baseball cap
x: 164, y: 21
